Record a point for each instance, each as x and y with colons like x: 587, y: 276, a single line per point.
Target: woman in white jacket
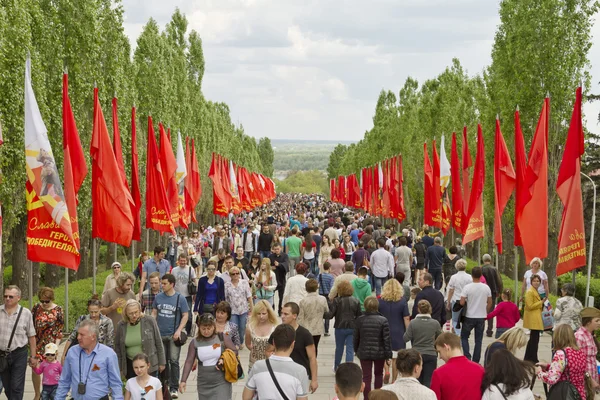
x: 507, y: 378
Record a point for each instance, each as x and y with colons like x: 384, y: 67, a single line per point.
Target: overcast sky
x: 313, y: 69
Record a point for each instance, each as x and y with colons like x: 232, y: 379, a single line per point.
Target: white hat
x: 116, y: 263
x: 51, y: 348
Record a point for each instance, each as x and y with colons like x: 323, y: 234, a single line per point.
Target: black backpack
x: 563, y: 390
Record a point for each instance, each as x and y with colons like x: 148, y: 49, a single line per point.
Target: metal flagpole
x: 67, y: 299
x: 30, y: 285
x: 115, y: 248
x: 592, y: 232
x: 94, y: 262
x: 516, y: 274
x: 132, y: 255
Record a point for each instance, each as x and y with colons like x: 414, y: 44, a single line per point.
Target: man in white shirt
x: 478, y: 298
x: 290, y: 376
x: 382, y: 265
x: 455, y: 289
x: 403, y: 257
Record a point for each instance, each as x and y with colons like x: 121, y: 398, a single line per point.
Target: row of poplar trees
x: 540, y: 48
x: 162, y: 75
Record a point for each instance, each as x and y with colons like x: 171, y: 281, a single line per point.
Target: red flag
x: 428, y: 189
x: 356, y: 188
x: 187, y: 182
x: 466, y: 164
x: 74, y: 169
x: 457, y: 199
x: 221, y: 197
x: 111, y: 201
x: 504, y: 183
x: 117, y: 149
x: 332, y: 189
x: 571, y: 239
x: 475, y: 227
x: 520, y: 167
x: 196, y: 182
x: 245, y: 202
x: 436, y: 197
x: 158, y: 214
x: 533, y: 218
x: 135, y: 181
x: 392, y: 185
x: 401, y: 209
x: 446, y: 213
x: 385, y: 198
x: 168, y: 164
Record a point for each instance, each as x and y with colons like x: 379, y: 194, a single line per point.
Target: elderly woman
x: 207, y: 348
x: 312, y: 309
x: 239, y: 297
x: 372, y: 344
x: 49, y: 321
x: 394, y: 307
x: 138, y: 333
x: 106, y: 331
x: 345, y: 308
x: 536, y: 269
x: 111, y: 280
x: 532, y: 318
x: 590, y: 323
x: 224, y: 325
x: 422, y: 332
x: 211, y: 290
x: 295, y: 287
x: 568, y: 308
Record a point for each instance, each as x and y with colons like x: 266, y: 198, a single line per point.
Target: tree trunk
x: 53, y: 275
x: 20, y: 273
x: 35, y: 271
x: 110, y: 255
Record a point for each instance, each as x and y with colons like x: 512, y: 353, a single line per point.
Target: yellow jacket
x: 532, y: 318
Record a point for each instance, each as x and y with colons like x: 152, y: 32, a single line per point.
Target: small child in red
x: 506, y: 312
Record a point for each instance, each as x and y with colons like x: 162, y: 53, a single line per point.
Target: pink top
x: 507, y: 314
x: 51, y: 372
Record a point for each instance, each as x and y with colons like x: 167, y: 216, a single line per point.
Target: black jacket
x: 436, y: 299
x: 345, y: 310
x: 372, y: 337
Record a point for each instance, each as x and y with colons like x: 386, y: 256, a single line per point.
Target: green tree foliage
x: 303, y: 182
x: 540, y: 47
x: 335, y: 159
x: 265, y: 152
x: 162, y: 77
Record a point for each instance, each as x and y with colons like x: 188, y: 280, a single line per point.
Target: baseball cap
x: 51, y: 348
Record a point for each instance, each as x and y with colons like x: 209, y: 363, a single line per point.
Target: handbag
x: 281, y: 392
x: 195, y: 262
x: 182, y: 336
x: 191, y: 286
x: 547, y: 317
x: 563, y: 390
x: 4, y: 354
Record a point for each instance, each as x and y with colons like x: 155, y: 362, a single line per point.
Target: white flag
x: 233, y: 181
x: 42, y: 173
x: 380, y: 176
x: 181, y: 171
x: 444, y: 167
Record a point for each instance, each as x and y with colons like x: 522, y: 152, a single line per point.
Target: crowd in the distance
x: 269, y: 282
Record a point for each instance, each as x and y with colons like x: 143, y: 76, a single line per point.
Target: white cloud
x: 314, y: 70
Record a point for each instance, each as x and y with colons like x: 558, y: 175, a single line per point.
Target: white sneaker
x: 174, y: 394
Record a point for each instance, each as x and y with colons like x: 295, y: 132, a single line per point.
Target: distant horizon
x: 314, y: 140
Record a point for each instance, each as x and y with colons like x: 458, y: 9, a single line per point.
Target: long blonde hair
x: 392, y: 290
x: 260, y: 306
x: 260, y: 278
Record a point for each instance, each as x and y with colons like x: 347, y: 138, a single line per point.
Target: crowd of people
x: 269, y: 282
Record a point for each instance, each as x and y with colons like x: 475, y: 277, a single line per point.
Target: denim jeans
x: 13, y: 377
x: 429, y: 365
x: 293, y: 262
x: 343, y: 337
x: 468, y: 325
x: 264, y: 254
x: 48, y: 392
x: 455, y: 315
x: 500, y: 331
x: 172, y: 355
x: 240, y: 321
x: 247, y: 254
x: 437, y: 279
x: 379, y: 282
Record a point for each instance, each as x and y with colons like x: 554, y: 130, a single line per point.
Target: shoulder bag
x: 191, y: 286
x: 281, y: 392
x: 4, y: 354
x: 501, y: 392
x: 182, y: 336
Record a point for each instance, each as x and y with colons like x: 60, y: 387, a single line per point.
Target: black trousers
x: 280, y: 291
x: 316, y: 339
x: 531, y: 351
x: 13, y: 377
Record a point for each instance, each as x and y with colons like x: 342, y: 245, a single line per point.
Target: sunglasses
x: 116, y: 266
x: 234, y: 273
x: 45, y: 301
x: 8, y: 297
x: 211, y: 269
x: 50, y: 355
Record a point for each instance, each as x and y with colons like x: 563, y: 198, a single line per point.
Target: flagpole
x: 67, y: 299
x: 516, y: 274
x: 30, y: 285
x: 592, y: 232
x: 94, y: 261
x: 132, y: 255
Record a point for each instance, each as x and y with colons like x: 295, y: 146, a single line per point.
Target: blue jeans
x: 48, y: 392
x: 247, y: 254
x: 343, y: 336
x: 500, y: 331
x: 379, y: 282
x: 468, y: 325
x: 455, y: 315
x: 240, y: 321
x: 172, y: 355
x: 264, y: 254
x: 437, y: 279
